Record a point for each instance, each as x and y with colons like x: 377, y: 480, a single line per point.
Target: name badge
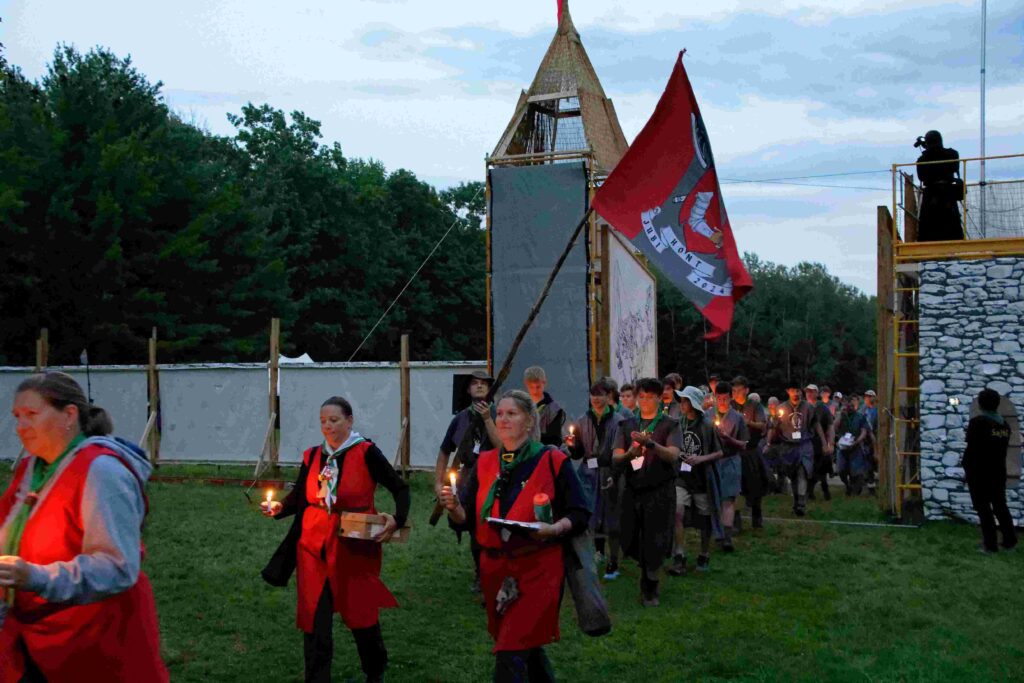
x: 592, y: 463
x: 476, y: 448
x: 795, y: 435
x: 637, y: 463
x: 683, y: 467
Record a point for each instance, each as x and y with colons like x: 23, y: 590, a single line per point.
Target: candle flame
x: 270, y: 496
x: 451, y: 476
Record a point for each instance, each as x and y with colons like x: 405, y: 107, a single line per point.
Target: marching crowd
x: 540, y: 496
x: 657, y: 456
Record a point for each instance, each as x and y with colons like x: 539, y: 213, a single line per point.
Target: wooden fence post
x: 406, y: 431
x: 154, y: 401
x: 272, y: 412
x: 42, y: 350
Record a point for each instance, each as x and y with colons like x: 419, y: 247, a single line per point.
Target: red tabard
x: 352, y: 566
x: 532, y: 620
x: 114, y: 639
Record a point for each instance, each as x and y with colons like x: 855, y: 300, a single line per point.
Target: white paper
x: 683, y: 467
x: 592, y: 463
x: 795, y: 435
x: 637, y: 463
x: 514, y: 523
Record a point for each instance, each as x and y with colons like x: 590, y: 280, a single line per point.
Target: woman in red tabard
x: 521, y: 574
x: 339, y: 574
x: 77, y: 606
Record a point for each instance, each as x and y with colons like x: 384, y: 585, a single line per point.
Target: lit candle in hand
x: 451, y: 478
x: 270, y: 499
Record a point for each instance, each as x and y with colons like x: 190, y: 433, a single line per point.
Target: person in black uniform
x: 553, y: 421
x: 939, y: 218
x: 647, y: 450
x: 470, y: 432
x: 823, y: 445
x: 988, y: 436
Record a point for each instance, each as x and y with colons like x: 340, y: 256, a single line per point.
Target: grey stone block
x: 1002, y: 387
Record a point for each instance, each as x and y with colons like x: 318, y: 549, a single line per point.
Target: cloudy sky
x: 788, y: 88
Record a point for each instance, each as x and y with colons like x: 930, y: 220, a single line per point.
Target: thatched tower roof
x: 565, y: 109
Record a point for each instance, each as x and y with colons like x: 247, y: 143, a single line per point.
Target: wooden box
x: 365, y: 527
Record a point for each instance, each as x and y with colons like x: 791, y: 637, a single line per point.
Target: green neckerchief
x: 604, y: 413
x: 42, y: 472
x: 995, y: 417
x: 649, y: 429
x: 509, y: 462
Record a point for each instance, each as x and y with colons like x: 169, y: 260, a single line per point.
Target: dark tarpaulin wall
x: 534, y: 210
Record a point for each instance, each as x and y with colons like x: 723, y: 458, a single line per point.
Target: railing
x: 992, y: 209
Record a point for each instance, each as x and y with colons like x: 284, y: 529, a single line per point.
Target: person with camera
x: 939, y: 217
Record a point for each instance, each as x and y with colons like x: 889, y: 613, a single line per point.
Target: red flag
x: 560, y: 2
x: 664, y: 196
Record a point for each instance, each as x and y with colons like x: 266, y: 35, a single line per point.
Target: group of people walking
x: 646, y: 460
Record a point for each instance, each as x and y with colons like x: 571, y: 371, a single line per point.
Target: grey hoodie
x: 112, y: 512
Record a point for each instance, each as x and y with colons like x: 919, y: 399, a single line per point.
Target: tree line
x: 117, y: 216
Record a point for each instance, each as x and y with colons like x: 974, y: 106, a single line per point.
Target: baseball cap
x: 812, y: 387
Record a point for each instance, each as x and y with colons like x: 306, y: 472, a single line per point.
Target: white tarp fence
x: 219, y: 413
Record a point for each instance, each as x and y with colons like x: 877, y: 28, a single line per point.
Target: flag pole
x: 507, y: 365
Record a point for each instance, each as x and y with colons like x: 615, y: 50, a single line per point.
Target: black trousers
x: 318, y: 646
x: 32, y: 673
x: 523, y: 666
x: 988, y: 495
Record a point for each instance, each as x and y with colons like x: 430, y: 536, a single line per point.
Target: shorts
x: 685, y: 498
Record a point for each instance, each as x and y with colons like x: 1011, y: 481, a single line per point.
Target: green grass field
x: 798, y: 601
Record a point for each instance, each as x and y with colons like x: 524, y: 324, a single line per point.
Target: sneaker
x: 611, y: 572
x: 650, y: 602
x: 703, y: 563
x: 799, y: 512
x: 727, y: 546
x: 678, y: 567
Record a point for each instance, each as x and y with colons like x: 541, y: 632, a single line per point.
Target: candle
x: 717, y: 422
x: 451, y: 477
x: 270, y: 498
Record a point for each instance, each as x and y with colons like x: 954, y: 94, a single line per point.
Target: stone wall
x: 972, y: 327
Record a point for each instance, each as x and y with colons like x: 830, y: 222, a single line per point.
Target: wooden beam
x: 959, y: 250
x: 883, y: 362
x: 487, y: 275
x: 275, y: 352
x: 153, y: 383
